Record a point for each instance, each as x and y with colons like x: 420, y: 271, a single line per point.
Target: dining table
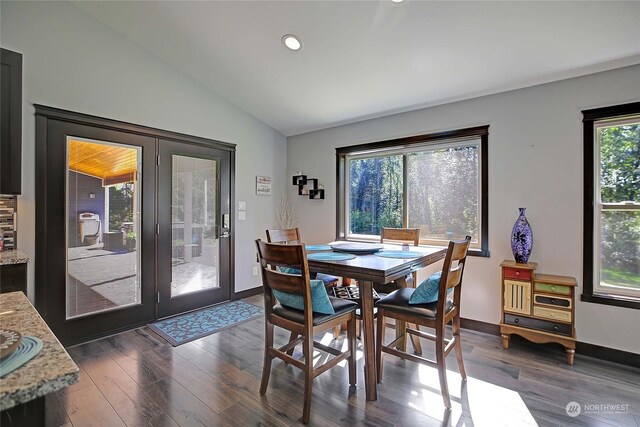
x: 368, y: 269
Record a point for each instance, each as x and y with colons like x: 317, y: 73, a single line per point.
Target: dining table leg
x: 368, y: 345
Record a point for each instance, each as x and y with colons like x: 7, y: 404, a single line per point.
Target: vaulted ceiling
x: 366, y: 59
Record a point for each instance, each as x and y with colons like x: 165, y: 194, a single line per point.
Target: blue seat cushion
x: 427, y: 291
x: 340, y: 306
x: 320, y: 302
x: 327, y: 279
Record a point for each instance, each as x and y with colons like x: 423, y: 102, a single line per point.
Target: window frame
x: 406, y: 145
x: 592, y: 292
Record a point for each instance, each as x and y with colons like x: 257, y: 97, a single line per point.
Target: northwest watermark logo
x: 574, y: 409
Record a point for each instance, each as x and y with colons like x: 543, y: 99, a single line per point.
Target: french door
x: 95, y: 229
x: 132, y: 224
x: 194, y: 242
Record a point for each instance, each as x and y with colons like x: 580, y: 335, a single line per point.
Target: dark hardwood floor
x: 137, y: 379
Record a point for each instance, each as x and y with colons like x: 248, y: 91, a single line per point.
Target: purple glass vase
x: 521, y: 238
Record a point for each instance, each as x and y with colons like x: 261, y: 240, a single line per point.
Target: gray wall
x: 74, y: 62
x: 535, y: 161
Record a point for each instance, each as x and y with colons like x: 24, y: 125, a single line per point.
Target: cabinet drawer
x: 516, y: 273
x: 552, y: 300
x: 542, y: 325
x: 550, y: 313
x: 554, y: 289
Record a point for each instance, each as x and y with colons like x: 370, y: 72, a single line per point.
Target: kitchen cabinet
x: 22, y: 391
x: 13, y: 271
x: 10, y: 122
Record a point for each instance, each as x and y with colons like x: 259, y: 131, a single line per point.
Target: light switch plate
x: 242, y: 215
x: 242, y: 206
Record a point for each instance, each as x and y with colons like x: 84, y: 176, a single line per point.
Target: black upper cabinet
x: 10, y: 121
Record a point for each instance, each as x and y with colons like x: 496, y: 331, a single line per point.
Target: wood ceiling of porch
x: 113, y: 164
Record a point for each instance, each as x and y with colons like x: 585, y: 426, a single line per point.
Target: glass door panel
x: 103, y: 222
x: 194, y: 244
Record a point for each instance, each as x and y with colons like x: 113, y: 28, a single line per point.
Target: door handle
x: 220, y: 232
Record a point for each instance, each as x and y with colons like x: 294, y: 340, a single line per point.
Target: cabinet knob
x: 517, y: 273
x: 553, y: 300
x: 553, y: 288
x: 555, y: 328
x: 516, y: 320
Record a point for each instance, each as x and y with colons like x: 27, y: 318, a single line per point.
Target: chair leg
x: 336, y: 331
x: 415, y: 341
x: 266, y: 365
x: 401, y: 330
x: 308, y: 377
x: 458, y: 346
x: 442, y: 369
x: 293, y: 336
x: 351, y: 338
x: 379, y: 342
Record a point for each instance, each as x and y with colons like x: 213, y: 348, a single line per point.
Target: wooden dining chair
x: 292, y: 236
x: 305, y: 320
x: 286, y: 236
x: 402, y: 235
x: 400, y: 306
x: 289, y: 236
x: 398, y: 235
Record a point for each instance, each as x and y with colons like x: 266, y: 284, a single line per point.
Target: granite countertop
x: 13, y: 257
x: 51, y: 370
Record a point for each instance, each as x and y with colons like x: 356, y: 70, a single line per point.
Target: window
x: 612, y: 205
x: 435, y: 182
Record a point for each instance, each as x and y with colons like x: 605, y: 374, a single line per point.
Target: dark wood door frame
x: 52, y: 124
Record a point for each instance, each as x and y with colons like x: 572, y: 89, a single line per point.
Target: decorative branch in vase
x: 286, y: 215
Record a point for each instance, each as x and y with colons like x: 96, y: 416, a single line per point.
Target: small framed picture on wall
x: 263, y: 185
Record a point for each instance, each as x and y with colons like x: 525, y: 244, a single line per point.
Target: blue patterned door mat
x: 197, y: 324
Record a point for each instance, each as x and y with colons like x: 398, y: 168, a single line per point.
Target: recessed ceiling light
x: 397, y: 1
x: 291, y: 42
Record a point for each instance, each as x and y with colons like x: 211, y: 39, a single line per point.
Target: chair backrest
x: 400, y: 235
x: 272, y: 255
x: 452, y: 271
x: 287, y: 236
